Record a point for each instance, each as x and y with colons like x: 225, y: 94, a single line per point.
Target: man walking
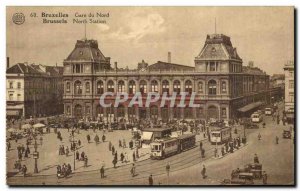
x: 150, y: 180
x: 203, y: 172
x: 102, y: 171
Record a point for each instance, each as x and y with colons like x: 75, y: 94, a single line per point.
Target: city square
x: 120, y: 106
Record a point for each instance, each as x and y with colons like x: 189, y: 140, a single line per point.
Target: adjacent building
x: 33, y: 90
x: 225, y: 88
x: 289, y: 96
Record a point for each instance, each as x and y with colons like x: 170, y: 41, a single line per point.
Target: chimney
x: 7, y: 62
x: 251, y: 64
x: 116, y: 65
x: 169, y: 57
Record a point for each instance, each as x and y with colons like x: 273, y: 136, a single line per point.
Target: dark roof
x: 36, y: 69
x: 156, y: 129
x: 169, y: 66
x: 218, y: 46
x: 86, y: 50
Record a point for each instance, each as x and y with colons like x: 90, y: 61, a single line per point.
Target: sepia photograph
x: 150, y: 96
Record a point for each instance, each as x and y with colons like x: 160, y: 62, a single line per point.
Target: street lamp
x: 35, y: 156
x: 73, y: 141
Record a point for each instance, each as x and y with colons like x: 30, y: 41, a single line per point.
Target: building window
x: 188, y: 87
x: 78, y: 88
x: 200, y: 87
x: 212, y: 87
x: 223, y: 87
x: 77, y: 68
x: 291, y: 97
x: 132, y: 87
x: 224, y: 114
x: 154, y: 86
x: 19, y: 85
x: 68, y: 87
x: 143, y: 87
x: 87, y: 110
x: 176, y: 113
x: 291, y: 73
x: 11, y: 96
x: 200, y: 112
x: 188, y: 113
x: 11, y: 85
x: 165, y: 86
x: 291, y: 84
x: 87, y: 87
x: 153, y: 112
x: 110, y: 86
x: 68, y: 110
x: 19, y: 96
x: 121, y: 111
x: 212, y: 66
x: 176, y: 86
x: 100, y: 87
x: 121, y: 86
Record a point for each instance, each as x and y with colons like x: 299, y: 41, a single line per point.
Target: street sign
x: 35, y: 155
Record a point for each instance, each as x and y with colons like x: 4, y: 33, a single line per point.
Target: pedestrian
x: 85, y: 161
x: 96, y: 139
x: 132, y: 171
x: 265, y: 177
x: 103, y: 138
x: 77, y: 155
x: 113, y: 150
x: 201, y: 144
x: 120, y: 143
x: 133, y: 157
x: 150, y: 180
x: 137, y: 153
x: 168, y: 168
x: 216, y: 152
x: 122, y: 157
x: 277, y: 140
x: 256, y: 159
x: 126, y: 157
x: 124, y: 143
x: 259, y: 136
x: 88, y: 138
x: 67, y: 151
x: 203, y: 153
x: 41, y: 140
x: 24, y: 170
x: 102, y: 171
x: 79, y: 143
x: 116, y: 155
x: 203, y: 172
x: 114, y: 162
x: 109, y: 146
x: 222, y: 151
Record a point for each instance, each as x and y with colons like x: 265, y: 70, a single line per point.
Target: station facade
x: 224, y: 87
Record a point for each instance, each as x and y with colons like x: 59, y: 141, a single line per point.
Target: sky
x: 264, y: 35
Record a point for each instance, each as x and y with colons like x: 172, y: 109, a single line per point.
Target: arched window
x: 188, y: 87
x: 165, y: 86
x: 154, y: 86
x: 87, y: 87
x: 176, y: 86
x: 68, y: 87
x: 110, y: 86
x: 224, y: 88
x: 212, y: 87
x: 78, y: 88
x: 132, y: 87
x: 100, y: 87
x: 143, y: 87
x: 121, y: 86
x: 200, y: 87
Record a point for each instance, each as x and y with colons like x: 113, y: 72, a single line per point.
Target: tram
x: 166, y: 147
x: 220, y: 135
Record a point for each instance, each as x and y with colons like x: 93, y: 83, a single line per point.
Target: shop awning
x: 250, y: 106
x: 147, y: 136
x: 12, y: 112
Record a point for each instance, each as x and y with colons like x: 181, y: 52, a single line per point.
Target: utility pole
x: 35, y: 156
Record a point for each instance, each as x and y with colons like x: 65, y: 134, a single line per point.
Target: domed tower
x: 80, y: 71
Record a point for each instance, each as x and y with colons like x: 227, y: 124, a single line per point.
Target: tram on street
x: 219, y: 135
x: 166, y: 147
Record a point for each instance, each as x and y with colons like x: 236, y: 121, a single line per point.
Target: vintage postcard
x: 152, y: 96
